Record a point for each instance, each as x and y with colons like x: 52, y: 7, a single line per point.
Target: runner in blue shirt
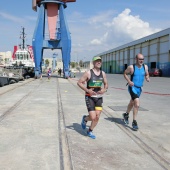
x: 138, y: 72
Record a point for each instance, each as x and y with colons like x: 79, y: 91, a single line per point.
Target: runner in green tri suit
x: 94, y: 78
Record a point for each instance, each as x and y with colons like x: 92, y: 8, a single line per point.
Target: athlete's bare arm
x: 103, y: 90
x: 129, y: 71
x: 147, y: 74
x: 83, y: 80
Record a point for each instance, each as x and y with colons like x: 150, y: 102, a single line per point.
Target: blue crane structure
x: 59, y: 35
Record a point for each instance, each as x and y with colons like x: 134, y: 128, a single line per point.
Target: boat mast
x: 22, y: 36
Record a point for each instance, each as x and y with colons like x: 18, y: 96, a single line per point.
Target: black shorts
x: 135, y: 92
x: 93, y: 103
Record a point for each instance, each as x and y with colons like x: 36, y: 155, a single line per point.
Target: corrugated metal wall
x: 155, y: 48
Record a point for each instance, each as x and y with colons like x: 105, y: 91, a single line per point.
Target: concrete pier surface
x: 40, y: 127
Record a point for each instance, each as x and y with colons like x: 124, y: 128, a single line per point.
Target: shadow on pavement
x: 118, y: 121
x: 77, y: 127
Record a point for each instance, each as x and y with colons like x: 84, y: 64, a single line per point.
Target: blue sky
x: 95, y: 26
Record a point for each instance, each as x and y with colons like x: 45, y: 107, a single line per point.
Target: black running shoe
x: 125, y: 118
x: 135, y: 125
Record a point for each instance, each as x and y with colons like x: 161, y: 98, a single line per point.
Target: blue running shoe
x: 83, y: 122
x: 135, y: 125
x: 125, y: 118
x: 91, y: 135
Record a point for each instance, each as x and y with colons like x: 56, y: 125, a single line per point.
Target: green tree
x: 81, y: 63
x: 73, y: 64
x: 47, y: 63
x: 1, y: 60
x: 6, y: 60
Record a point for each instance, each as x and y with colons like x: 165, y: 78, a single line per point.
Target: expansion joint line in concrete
x: 158, y: 158
x: 65, y: 155
x: 12, y: 108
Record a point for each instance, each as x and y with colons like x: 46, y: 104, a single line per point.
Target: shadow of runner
x: 77, y: 127
x: 118, y: 121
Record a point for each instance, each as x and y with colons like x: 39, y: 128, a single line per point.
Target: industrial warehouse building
x: 155, y: 48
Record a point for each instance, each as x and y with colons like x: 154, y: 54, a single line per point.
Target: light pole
x: 76, y: 58
x: 84, y: 61
x: 54, y: 61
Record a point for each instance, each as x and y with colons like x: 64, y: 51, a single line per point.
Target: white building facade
x: 155, y: 48
x: 5, y: 58
x: 59, y: 63
x: 87, y: 65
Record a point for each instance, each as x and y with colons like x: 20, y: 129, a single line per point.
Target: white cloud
x: 95, y: 42
x: 76, y: 17
x: 106, y: 31
x: 101, y: 17
x: 125, y: 28
x: 11, y: 17
x: 31, y: 18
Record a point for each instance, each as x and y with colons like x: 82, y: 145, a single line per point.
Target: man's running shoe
x: 125, y: 118
x: 135, y: 125
x: 83, y: 122
x: 91, y: 135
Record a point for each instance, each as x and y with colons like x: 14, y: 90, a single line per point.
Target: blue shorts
x: 135, y: 92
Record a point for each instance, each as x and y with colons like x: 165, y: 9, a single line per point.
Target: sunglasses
x: 141, y: 59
